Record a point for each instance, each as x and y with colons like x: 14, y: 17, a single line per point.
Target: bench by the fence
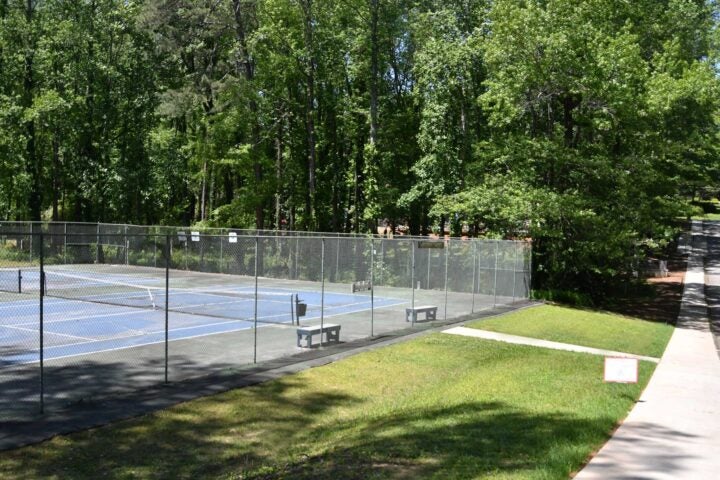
x: 331, y: 331
x: 360, y: 286
x: 430, y: 311
x: 654, y: 268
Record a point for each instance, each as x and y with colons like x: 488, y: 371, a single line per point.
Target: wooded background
x: 588, y: 126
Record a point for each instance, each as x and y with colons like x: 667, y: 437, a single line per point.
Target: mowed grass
x: 441, y: 406
x: 707, y: 216
x: 583, y: 327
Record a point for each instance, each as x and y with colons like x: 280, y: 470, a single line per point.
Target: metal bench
x: 361, y: 286
x: 331, y: 331
x: 430, y: 311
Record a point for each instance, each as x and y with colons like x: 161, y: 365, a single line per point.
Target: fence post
x: 167, y: 300
x: 65, y: 243
x: 372, y: 287
x: 255, y: 302
x: 127, y: 247
x: 514, y: 272
x: 297, y: 252
x: 222, y: 237
x: 429, y: 260
x: 42, y: 323
x: 97, y: 244
x: 528, y: 274
x: 322, y: 287
x: 412, y: 278
x: 475, y: 271
x: 447, y: 260
x: 337, y: 259
x: 495, y: 275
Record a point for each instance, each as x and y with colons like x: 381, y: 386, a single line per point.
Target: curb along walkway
x: 534, y: 342
x: 673, y: 432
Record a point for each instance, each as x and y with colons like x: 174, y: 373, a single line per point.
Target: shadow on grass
x: 278, y: 427
x: 182, y: 442
x: 469, y: 440
x: 658, y: 302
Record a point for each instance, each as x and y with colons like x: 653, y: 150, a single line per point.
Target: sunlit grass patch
x: 583, y: 327
x: 437, y: 407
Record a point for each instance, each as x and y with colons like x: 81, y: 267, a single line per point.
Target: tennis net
x: 10, y: 280
x: 221, y: 302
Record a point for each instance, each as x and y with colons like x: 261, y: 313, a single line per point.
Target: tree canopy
x: 586, y: 126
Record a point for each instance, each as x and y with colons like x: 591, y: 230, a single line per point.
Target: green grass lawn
x: 441, y: 406
x: 711, y: 209
x: 583, y: 327
x: 707, y: 216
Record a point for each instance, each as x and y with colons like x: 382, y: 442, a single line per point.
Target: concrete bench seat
x: 331, y: 331
x: 411, y: 313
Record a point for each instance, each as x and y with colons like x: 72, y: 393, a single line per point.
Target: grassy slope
x: 584, y: 327
x: 708, y: 216
x: 437, y: 407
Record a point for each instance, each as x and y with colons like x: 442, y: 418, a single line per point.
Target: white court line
x: 185, y: 338
x: 141, y: 334
x: 49, y: 333
x: 276, y: 325
x: 133, y: 346
x: 134, y: 311
x: 49, y: 300
x: 361, y: 310
x: 352, y: 304
x: 139, y: 310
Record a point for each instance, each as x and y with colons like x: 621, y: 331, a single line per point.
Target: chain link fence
x: 89, y: 311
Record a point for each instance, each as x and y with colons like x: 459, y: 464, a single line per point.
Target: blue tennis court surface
x: 111, y: 319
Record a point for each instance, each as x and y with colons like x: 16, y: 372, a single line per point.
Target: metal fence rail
x: 91, y: 310
x: 129, y: 229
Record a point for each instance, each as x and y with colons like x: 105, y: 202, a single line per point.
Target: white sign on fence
x: 195, y: 236
x: 232, y: 237
x: 621, y: 370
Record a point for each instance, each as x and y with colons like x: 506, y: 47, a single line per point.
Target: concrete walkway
x: 534, y: 342
x: 673, y: 432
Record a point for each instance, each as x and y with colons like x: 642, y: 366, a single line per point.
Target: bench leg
x: 431, y: 315
x: 333, y: 335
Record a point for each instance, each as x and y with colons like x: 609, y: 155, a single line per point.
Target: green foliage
x: 588, y: 126
x: 566, y: 297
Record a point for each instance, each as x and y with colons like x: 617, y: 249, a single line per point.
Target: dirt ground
x: 661, y: 301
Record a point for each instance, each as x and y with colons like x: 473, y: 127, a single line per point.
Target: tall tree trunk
x: 357, y: 192
x: 88, y: 150
x: 202, y: 191
x: 306, y: 6
x: 3, y: 14
x: 278, y: 174
x: 33, y: 166
x: 244, y: 13
x: 374, y: 14
x: 55, y: 176
x: 569, y: 103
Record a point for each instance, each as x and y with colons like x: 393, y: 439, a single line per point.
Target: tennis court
x: 123, y: 309
x: 88, y: 312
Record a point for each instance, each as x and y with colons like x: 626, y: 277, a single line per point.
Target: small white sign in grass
x: 621, y: 370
